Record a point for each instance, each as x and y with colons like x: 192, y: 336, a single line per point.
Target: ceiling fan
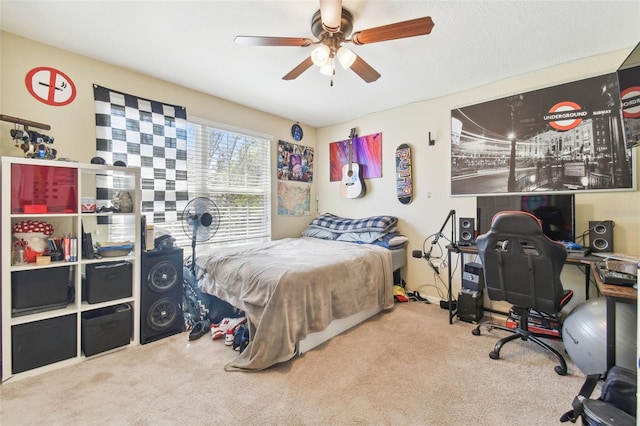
x: 332, y: 26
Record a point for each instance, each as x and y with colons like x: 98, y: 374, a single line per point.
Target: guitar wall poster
x: 563, y: 138
x: 366, y: 152
x: 295, y: 174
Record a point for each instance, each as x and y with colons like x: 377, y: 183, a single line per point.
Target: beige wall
x: 73, y: 125
x: 73, y: 128
x: 431, y: 169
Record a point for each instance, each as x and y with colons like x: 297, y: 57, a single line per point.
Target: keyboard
x: 613, y: 277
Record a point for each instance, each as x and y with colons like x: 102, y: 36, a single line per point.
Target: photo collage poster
x: 295, y: 175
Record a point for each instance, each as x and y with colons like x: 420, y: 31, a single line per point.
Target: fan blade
x: 364, y: 70
x: 412, y: 28
x: 272, y: 41
x: 331, y: 15
x: 302, y: 67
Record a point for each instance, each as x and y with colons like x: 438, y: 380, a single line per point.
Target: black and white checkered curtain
x: 150, y: 135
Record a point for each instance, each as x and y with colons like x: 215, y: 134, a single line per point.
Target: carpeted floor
x: 407, y: 366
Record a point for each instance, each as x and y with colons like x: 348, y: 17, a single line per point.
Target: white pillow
x: 360, y: 237
x: 397, y: 240
x: 323, y: 234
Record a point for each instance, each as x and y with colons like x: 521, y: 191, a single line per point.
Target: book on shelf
x: 87, y: 246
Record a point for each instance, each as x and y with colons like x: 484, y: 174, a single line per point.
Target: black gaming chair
x: 522, y: 266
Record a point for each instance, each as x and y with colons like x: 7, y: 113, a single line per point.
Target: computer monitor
x: 555, y: 211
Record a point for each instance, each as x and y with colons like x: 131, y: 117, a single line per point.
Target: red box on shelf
x: 35, y: 208
x: 34, y: 187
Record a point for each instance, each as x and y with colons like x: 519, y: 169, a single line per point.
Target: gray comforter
x: 292, y: 287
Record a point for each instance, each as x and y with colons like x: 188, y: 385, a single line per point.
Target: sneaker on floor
x: 230, y: 333
x: 219, y: 330
x: 241, y: 338
x: 399, y: 294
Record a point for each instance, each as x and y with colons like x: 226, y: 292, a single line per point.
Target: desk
x: 613, y: 294
x: 585, y: 261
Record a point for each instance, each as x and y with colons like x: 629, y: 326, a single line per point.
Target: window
x: 232, y: 168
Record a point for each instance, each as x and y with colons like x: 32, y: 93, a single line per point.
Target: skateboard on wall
x: 404, y: 185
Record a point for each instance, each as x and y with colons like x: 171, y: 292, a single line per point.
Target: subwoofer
x: 601, y: 236
x: 161, y: 294
x: 470, y: 305
x: 466, y: 230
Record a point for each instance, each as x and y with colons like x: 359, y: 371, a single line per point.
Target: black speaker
x: 161, y: 294
x: 470, y: 305
x: 601, y: 236
x: 466, y: 230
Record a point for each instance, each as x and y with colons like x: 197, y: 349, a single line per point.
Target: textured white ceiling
x: 191, y: 43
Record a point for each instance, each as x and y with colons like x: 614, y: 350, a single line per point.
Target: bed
x: 300, y: 292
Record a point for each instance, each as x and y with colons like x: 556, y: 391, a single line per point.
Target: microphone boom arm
x: 452, y: 213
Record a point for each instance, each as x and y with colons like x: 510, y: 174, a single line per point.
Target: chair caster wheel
x: 494, y: 355
x: 560, y: 371
x: 475, y: 331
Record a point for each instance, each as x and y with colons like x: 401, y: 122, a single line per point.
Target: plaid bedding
x: 338, y: 224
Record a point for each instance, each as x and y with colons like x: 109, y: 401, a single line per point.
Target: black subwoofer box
x: 161, y: 290
x: 470, y: 305
x: 106, y: 328
x: 40, y: 343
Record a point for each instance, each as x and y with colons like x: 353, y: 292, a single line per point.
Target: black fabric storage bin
x: 106, y: 328
x: 43, y: 342
x: 107, y: 281
x: 39, y: 288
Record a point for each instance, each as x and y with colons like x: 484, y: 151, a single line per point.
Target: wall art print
x: 563, y: 138
x: 295, y: 162
x: 629, y: 80
x: 294, y: 198
x: 366, y: 151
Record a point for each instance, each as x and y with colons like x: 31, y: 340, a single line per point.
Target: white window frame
x: 235, y: 227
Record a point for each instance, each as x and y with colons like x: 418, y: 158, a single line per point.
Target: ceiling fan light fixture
x: 320, y: 55
x: 331, y: 15
x: 327, y: 68
x: 331, y: 26
x: 346, y: 57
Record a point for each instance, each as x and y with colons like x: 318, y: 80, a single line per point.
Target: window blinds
x: 231, y: 168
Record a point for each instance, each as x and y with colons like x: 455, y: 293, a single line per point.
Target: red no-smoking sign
x: 50, y: 86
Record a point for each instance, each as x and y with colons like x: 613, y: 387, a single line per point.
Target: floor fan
x: 200, y: 222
